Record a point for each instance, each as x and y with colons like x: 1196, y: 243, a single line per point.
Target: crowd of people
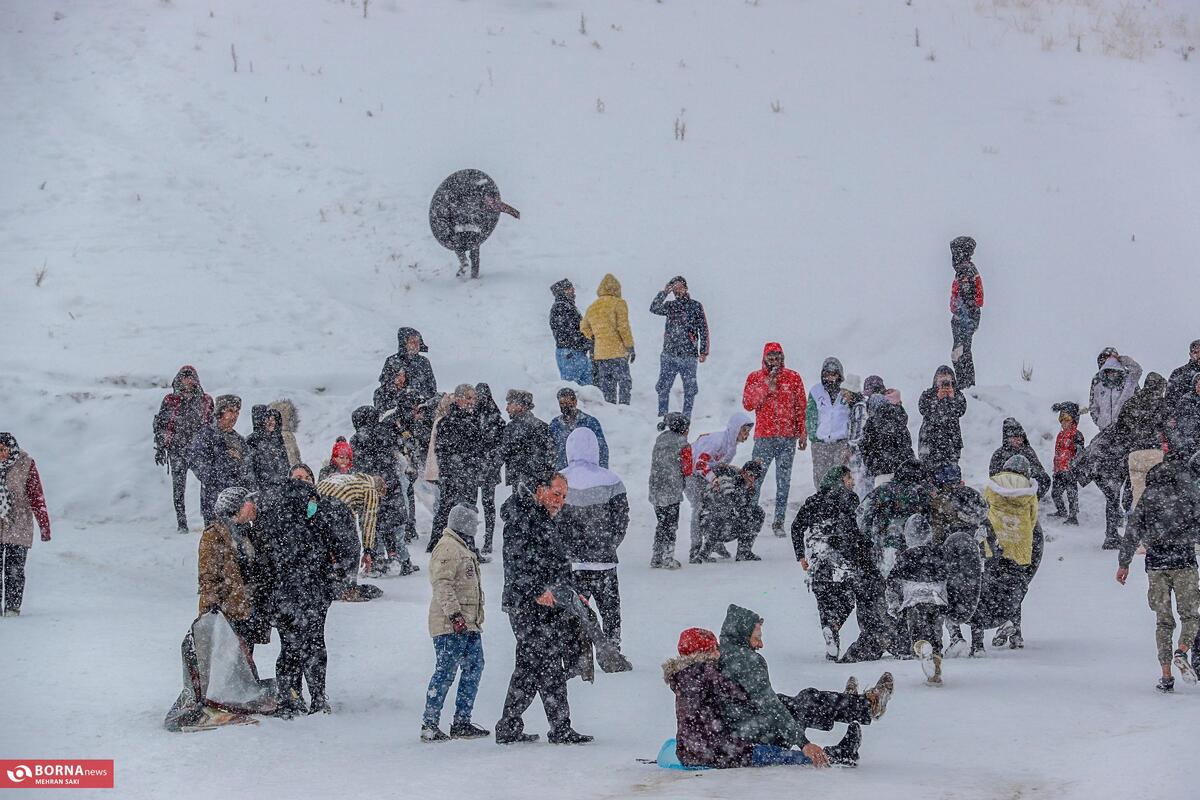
x: 892, y: 534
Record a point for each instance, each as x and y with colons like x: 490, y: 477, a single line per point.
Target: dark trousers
x: 602, y: 585
x: 410, y: 524
x: 177, y: 465
x: 538, y: 669
x: 614, y: 380
x: 924, y: 622
x: 835, y: 601
x: 962, y: 333
x: 468, y: 259
x: 12, y: 571
x: 664, y: 533
x: 685, y: 368
x: 1110, y: 486
x: 814, y: 708
x: 1065, y: 483
x: 302, y: 653
x: 487, y: 499
x: 389, y: 526
x: 877, y: 631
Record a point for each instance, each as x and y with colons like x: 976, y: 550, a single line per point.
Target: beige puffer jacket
x: 457, y: 589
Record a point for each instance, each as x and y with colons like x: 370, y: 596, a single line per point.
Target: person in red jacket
x: 966, y: 305
x: 21, y: 503
x: 185, y: 412
x: 1068, y: 449
x: 776, y: 396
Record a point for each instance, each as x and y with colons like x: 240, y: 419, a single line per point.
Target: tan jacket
x: 221, y: 582
x: 290, y: 421
x: 457, y: 589
x: 606, y: 322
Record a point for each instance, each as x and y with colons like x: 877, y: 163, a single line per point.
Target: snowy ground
x: 269, y: 227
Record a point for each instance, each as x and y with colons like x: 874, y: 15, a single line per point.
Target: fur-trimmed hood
x: 673, y: 666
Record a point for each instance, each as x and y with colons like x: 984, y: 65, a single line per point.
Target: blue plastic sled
x: 668, y: 760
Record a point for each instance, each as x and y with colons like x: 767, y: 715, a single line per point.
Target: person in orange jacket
x: 776, y: 396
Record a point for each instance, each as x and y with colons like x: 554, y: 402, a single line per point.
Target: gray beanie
x: 463, y: 520
x: 230, y: 500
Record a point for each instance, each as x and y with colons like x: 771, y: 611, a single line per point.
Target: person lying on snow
x: 756, y: 714
x: 705, y: 739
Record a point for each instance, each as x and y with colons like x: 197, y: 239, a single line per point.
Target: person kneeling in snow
x: 705, y: 739
x: 778, y: 719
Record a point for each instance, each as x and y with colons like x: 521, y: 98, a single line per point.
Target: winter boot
x: 467, y: 730
x: 1072, y: 520
x: 514, y: 736
x: 852, y: 685
x: 319, y: 705
x: 408, y: 568
x: 669, y: 562
x: 832, y: 645
x: 1002, y: 633
x: 1015, y: 640
x: 1166, y: 685
x: 879, y: 695
x: 720, y: 551
x: 432, y: 733
x: 568, y: 736
x: 746, y: 554
x: 1058, y: 511
x: 1185, y: 669
x: 12, y: 612
x: 777, y: 529
x: 845, y: 752
x: 931, y: 663
x: 957, y: 648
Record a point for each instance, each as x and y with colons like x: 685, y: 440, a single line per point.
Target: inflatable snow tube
x: 667, y: 759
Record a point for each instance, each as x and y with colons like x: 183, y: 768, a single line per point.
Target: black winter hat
x: 1067, y: 407
x: 755, y: 467
x: 559, y: 287
x: 364, y: 416
x: 679, y: 279
x: 1014, y: 428
x: 961, y: 249
x: 675, y: 421
x: 402, y: 338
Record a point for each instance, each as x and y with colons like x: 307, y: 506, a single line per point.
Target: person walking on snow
x: 527, y: 449
x: 570, y: 419
x: 223, y: 585
x: 709, y: 451
x: 776, y: 396
x: 21, y: 502
x: 1142, y: 430
x: 1112, y: 386
x: 966, y: 307
x: 1012, y: 498
x: 827, y: 419
x: 460, y: 454
x: 606, y: 325
x: 572, y: 350
x: 670, y: 466
x: 1014, y: 442
x: 455, y: 623
x: 218, y: 454
x: 1165, y: 521
x: 685, y: 343
x: 185, y: 412
x: 1068, y: 451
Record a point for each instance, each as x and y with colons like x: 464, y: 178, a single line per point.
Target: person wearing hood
x: 455, y: 623
x: 671, y: 465
x: 1012, y: 497
x: 765, y: 717
x: 289, y: 419
x: 831, y: 552
x: 1014, y: 442
x: 966, y: 307
x: 1183, y: 379
x: 685, y: 343
x: 420, y: 378
x: 1068, y: 452
x: 266, y: 453
x: 886, y: 442
x: 730, y: 513
x: 1112, y: 386
x: 184, y: 412
x: 942, y: 406
x: 606, y: 325
x: 1142, y: 429
x: 374, y: 449
x: 222, y: 586
x: 922, y: 572
x: 709, y: 451
x: 535, y: 566
x: 703, y: 738
x: 572, y: 350
x: 492, y: 442
x: 593, y: 523
x: 528, y: 447
x: 776, y: 396
x: 827, y: 418
x: 217, y: 454
x: 22, y: 501
x: 570, y: 419
x: 1166, y: 522
x: 460, y: 454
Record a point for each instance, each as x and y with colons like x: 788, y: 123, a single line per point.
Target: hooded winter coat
x: 534, y: 557
x: 595, y: 519
x: 457, y: 588
x: 1012, y: 510
x: 886, y: 442
x: 1166, y: 519
x: 220, y: 576
x: 670, y: 463
x: 827, y: 417
x: 527, y: 450
x: 778, y: 412
x: 966, y: 294
x: 182, y: 415
x: 21, y: 500
x: 1108, y: 395
x: 373, y: 445
x: 606, y: 322
x: 718, y: 447
x: 825, y: 532
x: 1142, y: 422
x: 702, y: 737
x: 885, y: 510
x: 1068, y: 449
x: 491, y: 425
x: 290, y: 423
x: 764, y: 719
x: 565, y: 320
x: 940, y: 438
x: 298, y: 553
x: 266, y: 452
x: 421, y: 380
x: 1004, y: 452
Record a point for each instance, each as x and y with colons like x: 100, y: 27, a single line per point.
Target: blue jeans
x: 614, y: 380
x: 781, y: 450
x: 768, y: 755
x: 574, y: 365
x: 454, y: 650
x: 685, y: 368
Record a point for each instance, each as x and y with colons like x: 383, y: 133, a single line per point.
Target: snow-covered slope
x: 269, y: 226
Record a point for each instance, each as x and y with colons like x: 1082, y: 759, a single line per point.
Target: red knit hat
x: 342, y: 448
x: 697, y: 640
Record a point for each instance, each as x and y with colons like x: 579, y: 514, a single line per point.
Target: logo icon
x: 19, y: 774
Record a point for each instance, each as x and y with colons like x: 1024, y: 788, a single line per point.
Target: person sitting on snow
x: 703, y: 737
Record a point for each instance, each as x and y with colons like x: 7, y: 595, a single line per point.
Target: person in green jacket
x: 779, y: 719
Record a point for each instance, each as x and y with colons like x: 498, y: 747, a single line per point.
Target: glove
x: 459, y: 622
x: 632, y: 355
x: 160, y: 456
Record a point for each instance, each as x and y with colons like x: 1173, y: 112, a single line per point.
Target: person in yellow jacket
x: 606, y: 325
x: 1012, y: 500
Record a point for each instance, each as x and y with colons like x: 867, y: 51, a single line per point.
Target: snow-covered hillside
x: 269, y: 225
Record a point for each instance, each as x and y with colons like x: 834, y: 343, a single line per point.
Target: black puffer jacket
x: 421, y: 380
x: 299, y: 555
x: 459, y: 449
x: 940, y: 439
x: 266, y: 453
x: 886, y: 442
x: 1005, y: 451
x: 527, y: 449
x: 828, y: 517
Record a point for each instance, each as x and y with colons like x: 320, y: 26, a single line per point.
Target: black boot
x: 568, y: 736
x: 467, y: 730
x: 846, y: 751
